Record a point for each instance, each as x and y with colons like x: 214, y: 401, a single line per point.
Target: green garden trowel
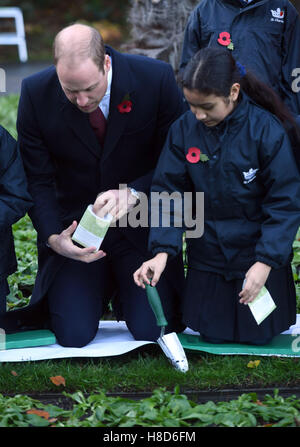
x: 169, y: 343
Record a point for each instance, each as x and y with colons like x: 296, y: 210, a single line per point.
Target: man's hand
x: 63, y: 245
x: 116, y: 202
x: 256, y: 278
x: 151, y: 269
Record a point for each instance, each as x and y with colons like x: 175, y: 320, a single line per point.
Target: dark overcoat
x: 65, y: 165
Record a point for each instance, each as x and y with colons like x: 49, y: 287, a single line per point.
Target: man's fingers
x: 70, y: 230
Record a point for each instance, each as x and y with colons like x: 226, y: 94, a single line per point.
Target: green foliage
x: 8, y: 113
x: 296, y: 266
x: 162, y: 409
x: 21, y: 282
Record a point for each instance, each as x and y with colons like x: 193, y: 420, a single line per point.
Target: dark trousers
x: 79, y: 294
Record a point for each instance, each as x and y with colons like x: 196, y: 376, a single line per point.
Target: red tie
x: 98, y: 123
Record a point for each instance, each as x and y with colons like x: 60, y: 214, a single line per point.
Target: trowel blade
x: 174, y: 351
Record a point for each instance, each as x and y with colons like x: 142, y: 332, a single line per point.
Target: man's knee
x: 74, y: 337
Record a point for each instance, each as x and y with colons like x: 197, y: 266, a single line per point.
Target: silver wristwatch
x: 135, y: 194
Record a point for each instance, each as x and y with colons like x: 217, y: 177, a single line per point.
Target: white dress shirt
x: 104, y: 103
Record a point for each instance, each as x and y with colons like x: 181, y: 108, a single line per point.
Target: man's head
x: 82, y: 65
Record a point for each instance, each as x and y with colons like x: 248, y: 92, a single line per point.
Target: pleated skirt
x: 211, y: 306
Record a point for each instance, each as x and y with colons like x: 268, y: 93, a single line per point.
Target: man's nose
x: 81, y: 99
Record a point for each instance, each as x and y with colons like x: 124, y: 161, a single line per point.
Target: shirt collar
x: 104, y: 103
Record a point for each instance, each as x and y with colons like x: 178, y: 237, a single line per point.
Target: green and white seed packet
x: 91, y: 229
x: 262, y: 306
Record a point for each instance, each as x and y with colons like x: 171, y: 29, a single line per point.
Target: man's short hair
x: 93, y: 49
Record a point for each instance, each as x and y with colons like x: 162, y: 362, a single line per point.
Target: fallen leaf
x: 41, y: 413
x: 253, y: 363
x: 14, y: 373
x: 58, y: 380
x: 259, y: 402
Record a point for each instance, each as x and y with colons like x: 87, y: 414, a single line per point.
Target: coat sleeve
x: 171, y: 107
x: 281, y: 204
x: 39, y: 168
x: 15, y: 200
x: 291, y: 60
x: 170, y: 180
x: 191, y: 38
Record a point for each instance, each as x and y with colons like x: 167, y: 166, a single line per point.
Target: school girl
x: 232, y: 146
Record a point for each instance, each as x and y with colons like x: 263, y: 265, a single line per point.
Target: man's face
x: 85, y: 85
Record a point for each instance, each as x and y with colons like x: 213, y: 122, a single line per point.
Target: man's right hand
x: 64, y: 246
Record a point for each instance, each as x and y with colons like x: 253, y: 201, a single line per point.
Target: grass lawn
x: 146, y: 369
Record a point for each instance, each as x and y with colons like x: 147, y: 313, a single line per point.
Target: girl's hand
x: 256, y: 278
x: 151, y: 269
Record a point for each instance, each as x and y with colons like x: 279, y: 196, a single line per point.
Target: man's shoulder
x: 140, y: 62
x: 40, y: 78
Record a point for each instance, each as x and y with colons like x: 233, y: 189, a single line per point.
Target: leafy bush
x: 162, y: 409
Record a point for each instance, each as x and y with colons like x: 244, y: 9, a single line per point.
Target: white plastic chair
x: 17, y: 38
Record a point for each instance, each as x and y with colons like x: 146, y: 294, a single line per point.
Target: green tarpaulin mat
x: 283, y: 345
x: 29, y: 339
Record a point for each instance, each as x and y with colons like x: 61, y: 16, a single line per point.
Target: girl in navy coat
x: 233, y: 149
x: 14, y: 203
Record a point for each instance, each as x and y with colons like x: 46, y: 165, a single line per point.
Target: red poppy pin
x: 126, y: 105
x: 225, y: 40
x: 194, y: 155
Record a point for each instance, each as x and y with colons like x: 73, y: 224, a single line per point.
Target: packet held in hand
x: 91, y: 229
x: 262, y: 306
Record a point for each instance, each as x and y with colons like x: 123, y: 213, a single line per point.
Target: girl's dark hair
x: 214, y: 71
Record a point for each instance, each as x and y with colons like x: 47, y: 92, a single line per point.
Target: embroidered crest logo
x: 250, y: 175
x: 277, y: 15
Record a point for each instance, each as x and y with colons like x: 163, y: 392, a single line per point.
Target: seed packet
x: 91, y: 229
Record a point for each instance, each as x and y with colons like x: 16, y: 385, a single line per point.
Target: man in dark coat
x: 15, y: 201
x: 68, y: 166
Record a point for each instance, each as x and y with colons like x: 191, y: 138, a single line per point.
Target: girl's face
x: 211, y: 109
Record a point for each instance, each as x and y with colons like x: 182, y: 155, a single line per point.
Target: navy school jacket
x: 15, y: 200
x: 265, y: 35
x: 251, y: 190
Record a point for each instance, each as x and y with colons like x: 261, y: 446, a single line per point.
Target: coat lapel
x: 78, y: 122
x: 121, y: 86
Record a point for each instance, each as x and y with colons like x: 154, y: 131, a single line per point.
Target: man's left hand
x: 116, y: 202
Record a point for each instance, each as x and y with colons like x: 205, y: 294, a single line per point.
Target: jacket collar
x: 235, y: 119
x: 240, y: 3
x: 79, y: 122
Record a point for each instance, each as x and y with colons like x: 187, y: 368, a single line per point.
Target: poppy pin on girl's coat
x: 225, y: 40
x: 194, y: 155
x: 125, y: 105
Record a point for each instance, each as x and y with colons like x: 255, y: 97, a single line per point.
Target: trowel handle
x: 155, y: 303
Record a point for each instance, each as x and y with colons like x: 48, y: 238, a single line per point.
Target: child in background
x: 14, y: 203
x: 233, y: 149
x: 264, y: 36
